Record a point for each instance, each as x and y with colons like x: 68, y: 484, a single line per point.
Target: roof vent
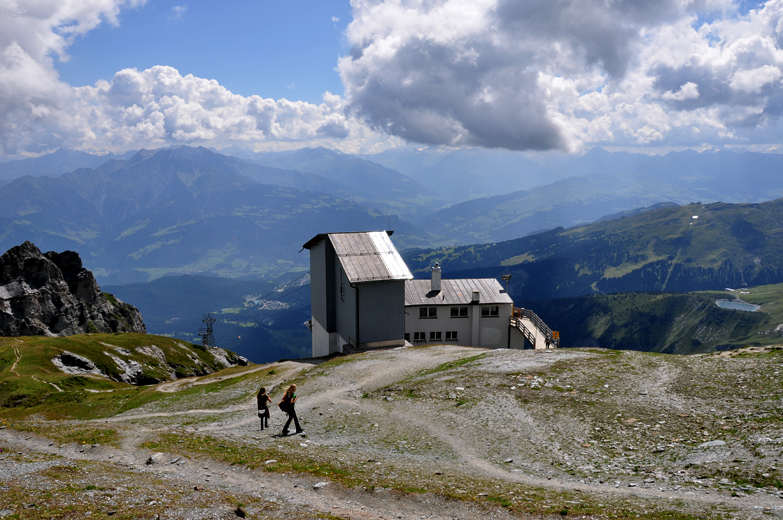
x: 435, y: 283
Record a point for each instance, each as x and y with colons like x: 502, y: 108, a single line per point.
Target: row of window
x: 451, y: 335
x: 459, y: 312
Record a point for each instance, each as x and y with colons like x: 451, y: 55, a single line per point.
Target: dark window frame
x: 428, y: 313
x: 461, y: 311
x: 490, y: 311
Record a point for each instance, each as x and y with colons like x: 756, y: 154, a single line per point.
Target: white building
x: 468, y: 312
x: 363, y: 295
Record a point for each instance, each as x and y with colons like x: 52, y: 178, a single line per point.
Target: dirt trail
x: 181, y: 384
x: 18, y: 359
x: 330, y: 499
x: 342, y: 387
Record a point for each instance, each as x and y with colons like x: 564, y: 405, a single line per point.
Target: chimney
x: 435, y: 284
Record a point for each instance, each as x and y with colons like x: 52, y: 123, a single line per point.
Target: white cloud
x: 38, y: 112
x: 689, y: 90
x: 526, y: 74
x: 753, y: 80
x: 335, y: 19
x: 159, y: 106
x: 518, y: 74
x: 36, y: 108
x: 178, y: 12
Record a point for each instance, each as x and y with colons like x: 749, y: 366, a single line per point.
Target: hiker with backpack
x: 287, y: 406
x: 263, y: 409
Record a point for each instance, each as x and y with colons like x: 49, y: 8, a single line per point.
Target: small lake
x: 737, y: 305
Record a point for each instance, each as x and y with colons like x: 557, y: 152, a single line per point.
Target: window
x: 435, y: 336
x: 407, y: 336
x: 419, y: 336
x: 428, y: 312
x: 451, y: 335
x: 488, y: 311
x: 459, y: 312
x: 342, y: 290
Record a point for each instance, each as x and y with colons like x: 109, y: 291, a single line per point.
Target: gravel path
x: 404, y: 407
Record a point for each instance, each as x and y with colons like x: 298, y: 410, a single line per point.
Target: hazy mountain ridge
x: 728, y: 245
x: 177, y: 210
x: 56, y: 163
x: 612, y: 183
x: 364, y: 181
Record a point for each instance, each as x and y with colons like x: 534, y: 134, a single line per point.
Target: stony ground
x: 435, y: 432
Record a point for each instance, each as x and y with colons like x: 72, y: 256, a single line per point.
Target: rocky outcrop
x: 52, y: 294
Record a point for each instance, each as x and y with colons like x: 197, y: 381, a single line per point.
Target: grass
x: 353, y: 474
x: 28, y: 378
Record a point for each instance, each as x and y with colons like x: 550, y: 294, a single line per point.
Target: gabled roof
x: 455, y: 292
x: 367, y: 256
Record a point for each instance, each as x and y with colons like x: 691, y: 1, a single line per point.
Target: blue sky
x: 369, y: 75
x: 278, y: 49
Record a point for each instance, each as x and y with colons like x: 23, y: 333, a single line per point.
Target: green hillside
x: 687, y: 248
x: 30, y: 380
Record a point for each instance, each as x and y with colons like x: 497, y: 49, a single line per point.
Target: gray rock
x: 52, y: 294
x: 712, y: 444
x: 154, y: 459
x: 319, y: 485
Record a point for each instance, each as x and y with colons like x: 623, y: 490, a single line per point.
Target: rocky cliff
x: 52, y: 294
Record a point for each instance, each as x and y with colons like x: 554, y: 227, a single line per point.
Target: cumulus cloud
x: 35, y: 106
x: 525, y: 74
x: 516, y: 74
x: 158, y: 106
x: 153, y: 107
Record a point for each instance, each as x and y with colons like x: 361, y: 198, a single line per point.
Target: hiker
x: 287, y: 405
x: 263, y: 409
x: 548, y: 342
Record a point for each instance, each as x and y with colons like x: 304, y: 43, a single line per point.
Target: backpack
x: 285, y: 404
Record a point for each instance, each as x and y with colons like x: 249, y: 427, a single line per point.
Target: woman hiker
x: 263, y: 409
x: 287, y: 405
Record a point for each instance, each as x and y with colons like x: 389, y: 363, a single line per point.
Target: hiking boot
x: 286, y: 432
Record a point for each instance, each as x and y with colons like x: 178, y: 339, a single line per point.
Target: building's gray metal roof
x: 368, y: 256
x: 455, y: 292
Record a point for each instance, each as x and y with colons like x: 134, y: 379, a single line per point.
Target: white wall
x: 489, y: 332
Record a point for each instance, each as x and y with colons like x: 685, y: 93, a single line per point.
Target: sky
x: 370, y: 75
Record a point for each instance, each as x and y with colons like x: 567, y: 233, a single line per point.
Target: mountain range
x: 172, y: 210
x: 681, y: 248
x: 179, y: 210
